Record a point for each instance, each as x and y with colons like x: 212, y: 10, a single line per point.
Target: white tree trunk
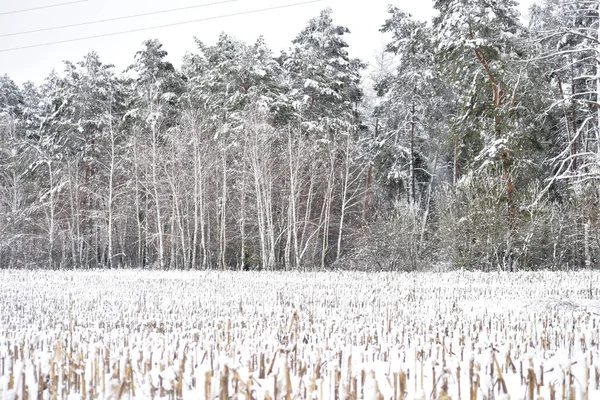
x: 111, y: 194
x: 50, y: 215
x: 155, y: 188
x: 345, y: 183
x: 223, y: 227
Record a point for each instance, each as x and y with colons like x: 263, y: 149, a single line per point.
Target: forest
x: 472, y: 142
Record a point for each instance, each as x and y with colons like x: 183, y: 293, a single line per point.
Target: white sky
x: 279, y: 27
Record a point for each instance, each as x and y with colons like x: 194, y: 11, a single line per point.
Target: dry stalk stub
x: 298, y: 336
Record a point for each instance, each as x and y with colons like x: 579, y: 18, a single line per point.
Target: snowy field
x: 172, y: 335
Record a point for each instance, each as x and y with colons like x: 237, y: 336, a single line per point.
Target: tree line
x: 471, y: 142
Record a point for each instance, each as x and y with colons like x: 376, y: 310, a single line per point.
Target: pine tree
x: 414, y: 104
x: 324, y: 82
x: 475, y: 37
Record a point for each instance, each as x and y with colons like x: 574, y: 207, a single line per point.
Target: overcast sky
x: 278, y: 26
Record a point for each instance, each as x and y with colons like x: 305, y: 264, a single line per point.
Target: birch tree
x: 156, y: 89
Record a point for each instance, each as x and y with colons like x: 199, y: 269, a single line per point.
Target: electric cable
x: 100, y: 21
x: 42, y: 7
x: 159, y: 26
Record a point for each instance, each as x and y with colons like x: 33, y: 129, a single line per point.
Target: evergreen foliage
x: 473, y: 143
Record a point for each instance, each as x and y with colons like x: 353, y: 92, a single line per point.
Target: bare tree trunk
x: 50, y: 215
x: 199, y: 209
x: 155, y: 188
x: 196, y: 196
x: 178, y: 221
x: 242, y: 224
x: 111, y: 194
x: 586, y: 244
x: 178, y: 203
x: 597, y: 91
x: 260, y: 206
x: 574, y: 147
x: 428, y: 201
x: 75, y: 221
x: 223, y: 231
x: 243, y: 221
x: 293, y: 165
x: 456, y: 155
x: 346, y: 182
x: 268, y: 193
x: 261, y: 164
x: 369, y: 190
x: 170, y: 236
x: 326, y: 208
x: 412, y: 147
x: 567, y: 127
x: 307, y: 236
x: 140, y: 208
x: 199, y: 224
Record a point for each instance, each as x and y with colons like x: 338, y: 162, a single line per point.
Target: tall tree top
x: 150, y: 62
x: 320, y: 33
x: 157, y: 80
x: 11, y: 98
x: 324, y: 80
x: 411, y: 43
x: 476, y: 23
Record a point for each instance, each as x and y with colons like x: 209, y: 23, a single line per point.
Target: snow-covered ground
x: 193, y: 335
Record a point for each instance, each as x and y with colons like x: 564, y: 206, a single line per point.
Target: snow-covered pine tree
x: 324, y: 81
x: 477, y: 44
x: 414, y: 106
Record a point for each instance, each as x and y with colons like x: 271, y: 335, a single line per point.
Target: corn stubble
x: 221, y: 335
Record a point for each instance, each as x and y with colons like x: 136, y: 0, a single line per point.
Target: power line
x: 159, y: 26
x: 42, y: 7
x: 115, y: 19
